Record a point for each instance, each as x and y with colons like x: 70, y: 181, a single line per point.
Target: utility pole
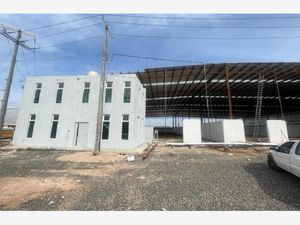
x: 17, y: 41
x: 101, y: 92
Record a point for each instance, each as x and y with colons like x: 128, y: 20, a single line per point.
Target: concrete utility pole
x: 101, y: 92
x: 17, y: 42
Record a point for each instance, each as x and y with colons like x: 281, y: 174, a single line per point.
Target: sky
x: 74, y: 48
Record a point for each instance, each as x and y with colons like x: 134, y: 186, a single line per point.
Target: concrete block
x: 213, y: 131
x: 234, y: 131
x: 228, y: 131
x: 149, y: 134
x: 191, y: 131
x: 277, y: 131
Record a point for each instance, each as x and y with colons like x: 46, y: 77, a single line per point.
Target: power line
x: 206, y: 38
x: 26, y: 68
x: 120, y: 55
x: 61, y: 23
x: 70, y: 42
x: 174, y: 37
x: 174, y: 26
x: 66, y: 31
x: 5, y: 64
x: 205, y: 18
x: 154, y: 58
x: 202, y: 27
x: 34, y: 56
x: 62, y: 59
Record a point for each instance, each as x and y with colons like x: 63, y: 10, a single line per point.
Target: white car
x: 285, y: 156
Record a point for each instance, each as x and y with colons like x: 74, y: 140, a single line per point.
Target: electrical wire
x: 5, y: 64
x: 66, y: 31
x: 204, y: 18
x: 61, y: 23
x: 202, y: 27
x: 24, y: 60
x: 34, y: 56
x: 70, y: 42
x: 63, y: 59
x: 120, y: 55
x: 154, y: 58
x: 205, y: 38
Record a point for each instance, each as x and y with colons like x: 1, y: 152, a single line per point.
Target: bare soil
x: 102, y: 157
x: 17, y: 190
x: 178, y: 178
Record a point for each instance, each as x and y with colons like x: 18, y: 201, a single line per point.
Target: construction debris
x: 149, y: 150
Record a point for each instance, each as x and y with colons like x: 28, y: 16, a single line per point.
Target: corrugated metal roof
x: 182, y: 88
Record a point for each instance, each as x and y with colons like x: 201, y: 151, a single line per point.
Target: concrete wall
x: 72, y: 110
x: 234, y: 130
x: 277, y: 131
x: 224, y: 131
x: 192, y: 131
x: 149, y: 134
x: 213, y: 131
x: 135, y: 109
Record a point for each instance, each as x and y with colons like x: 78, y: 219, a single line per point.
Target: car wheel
x: 272, y: 164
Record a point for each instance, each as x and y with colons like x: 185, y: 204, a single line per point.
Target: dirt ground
x: 177, y: 178
x: 18, y: 190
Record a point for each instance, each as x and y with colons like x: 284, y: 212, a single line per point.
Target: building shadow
x: 280, y: 185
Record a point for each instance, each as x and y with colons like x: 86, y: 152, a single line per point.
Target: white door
x: 295, y: 161
x: 282, y: 155
x: 81, y: 134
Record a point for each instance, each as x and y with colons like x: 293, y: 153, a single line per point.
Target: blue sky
x: 83, y: 56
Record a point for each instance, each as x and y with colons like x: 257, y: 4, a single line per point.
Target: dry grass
x: 17, y: 190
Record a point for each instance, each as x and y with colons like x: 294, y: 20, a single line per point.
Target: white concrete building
x: 61, y: 112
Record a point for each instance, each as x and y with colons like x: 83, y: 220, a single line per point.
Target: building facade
x: 61, y: 112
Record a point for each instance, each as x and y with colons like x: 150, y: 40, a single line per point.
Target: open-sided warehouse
x: 222, y: 90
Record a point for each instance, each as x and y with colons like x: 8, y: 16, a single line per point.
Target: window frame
x: 124, y: 121
x: 54, y: 120
x: 127, y: 88
x: 29, y: 125
x: 86, y: 91
x: 105, y: 121
x: 108, y: 88
x: 57, y: 91
x: 37, y: 93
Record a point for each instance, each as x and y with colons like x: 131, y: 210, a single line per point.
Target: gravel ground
x: 170, y: 179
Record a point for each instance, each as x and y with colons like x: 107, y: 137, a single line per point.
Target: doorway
x: 81, y: 134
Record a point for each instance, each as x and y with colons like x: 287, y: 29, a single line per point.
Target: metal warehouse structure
x: 222, y: 90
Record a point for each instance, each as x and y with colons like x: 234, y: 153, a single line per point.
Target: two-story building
x: 61, y: 112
